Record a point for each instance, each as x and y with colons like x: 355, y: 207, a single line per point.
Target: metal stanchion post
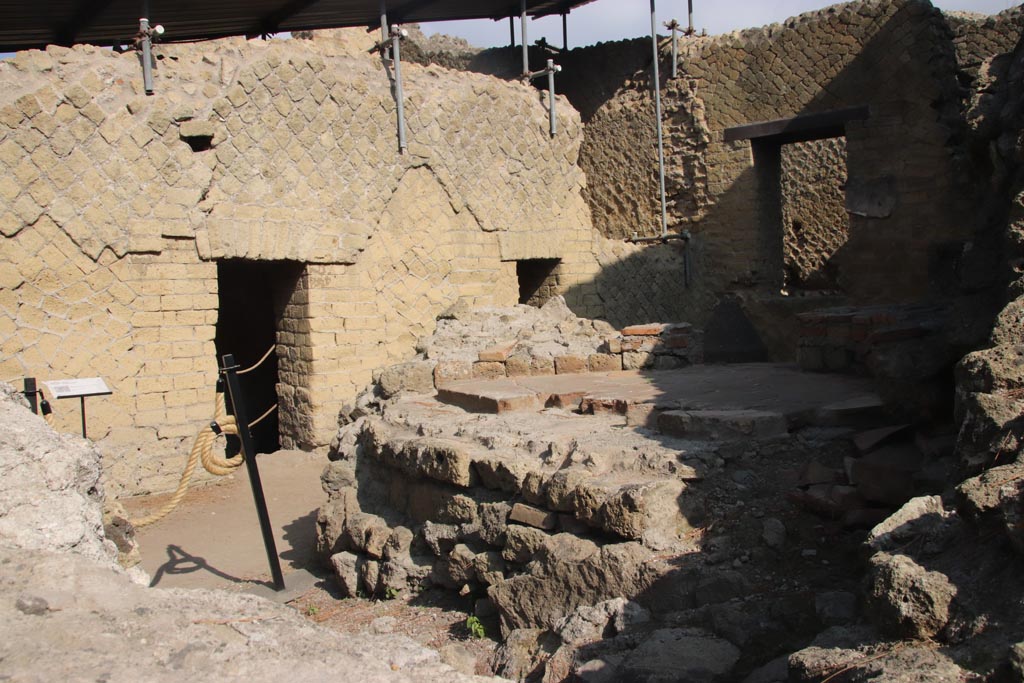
x: 32, y: 394
x: 230, y: 372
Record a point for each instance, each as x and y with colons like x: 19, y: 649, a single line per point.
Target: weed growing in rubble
x: 312, y: 610
x: 392, y: 593
x: 476, y: 628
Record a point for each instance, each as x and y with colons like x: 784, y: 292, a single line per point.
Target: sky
x: 616, y: 19
x: 603, y: 20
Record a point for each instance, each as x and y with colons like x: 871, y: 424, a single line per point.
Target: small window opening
x: 538, y: 280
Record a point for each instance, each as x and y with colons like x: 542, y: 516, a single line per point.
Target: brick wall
x: 898, y: 57
x: 115, y: 209
x: 814, y: 219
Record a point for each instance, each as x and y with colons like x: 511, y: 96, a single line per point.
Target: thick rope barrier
x: 202, y: 452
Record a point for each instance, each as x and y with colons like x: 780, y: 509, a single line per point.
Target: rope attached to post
x: 202, y: 451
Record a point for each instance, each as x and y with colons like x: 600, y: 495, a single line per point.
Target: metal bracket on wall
x: 390, y: 48
x: 550, y: 72
x: 144, y: 44
x: 685, y: 236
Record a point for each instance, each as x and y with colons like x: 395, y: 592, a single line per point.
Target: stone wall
x: 814, y: 218
x: 978, y: 37
x: 116, y: 208
x: 908, y: 170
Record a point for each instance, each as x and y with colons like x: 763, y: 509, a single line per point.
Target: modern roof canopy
x: 26, y: 25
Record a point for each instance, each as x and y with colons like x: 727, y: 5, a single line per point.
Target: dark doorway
x: 801, y: 167
x: 538, y: 280
x: 252, y: 298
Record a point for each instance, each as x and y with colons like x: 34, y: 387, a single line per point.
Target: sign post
x: 80, y: 389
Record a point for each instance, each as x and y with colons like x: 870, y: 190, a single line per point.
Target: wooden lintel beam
x: 800, y: 128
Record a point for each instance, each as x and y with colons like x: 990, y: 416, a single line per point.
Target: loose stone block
x: 647, y: 330
x: 535, y: 517
x: 637, y: 360
x: 452, y: 371
x: 498, y: 353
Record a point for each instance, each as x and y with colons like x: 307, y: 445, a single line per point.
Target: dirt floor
x: 435, y: 618
x: 213, y: 541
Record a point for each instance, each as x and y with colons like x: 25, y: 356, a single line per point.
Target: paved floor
x: 213, y: 540
x: 747, y: 386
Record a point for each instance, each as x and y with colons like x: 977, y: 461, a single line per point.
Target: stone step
x: 866, y: 410
x: 492, y: 396
x: 724, y: 425
x: 526, y: 394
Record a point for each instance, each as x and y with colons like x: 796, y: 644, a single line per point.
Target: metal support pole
x: 550, y: 70
x: 146, y: 39
x: 687, y: 260
x: 551, y: 98
x: 512, y: 33
x: 526, y: 42
x: 384, y: 29
x: 674, y: 25
x: 82, y: 399
x: 31, y: 392
x: 396, y: 54
x: 230, y: 372
x: 565, y: 31
x: 657, y: 115
x: 689, y: 31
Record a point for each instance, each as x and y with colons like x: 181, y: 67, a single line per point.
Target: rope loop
x: 260, y: 361
x: 202, y: 452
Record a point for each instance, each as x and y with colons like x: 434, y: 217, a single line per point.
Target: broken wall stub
x: 908, y: 157
x: 115, y: 209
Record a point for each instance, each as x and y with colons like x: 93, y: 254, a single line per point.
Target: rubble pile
x: 494, y: 342
x: 646, y: 535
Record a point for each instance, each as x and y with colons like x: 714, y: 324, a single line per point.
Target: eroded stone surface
x: 63, y: 598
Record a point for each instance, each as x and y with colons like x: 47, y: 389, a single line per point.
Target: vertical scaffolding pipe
x: 147, y: 55
x: 512, y: 34
x: 526, y: 43
x: 565, y: 31
x: 396, y: 54
x: 551, y: 97
x: 689, y: 31
x: 675, y: 47
x: 384, y: 32
x: 229, y: 370
x: 657, y: 114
